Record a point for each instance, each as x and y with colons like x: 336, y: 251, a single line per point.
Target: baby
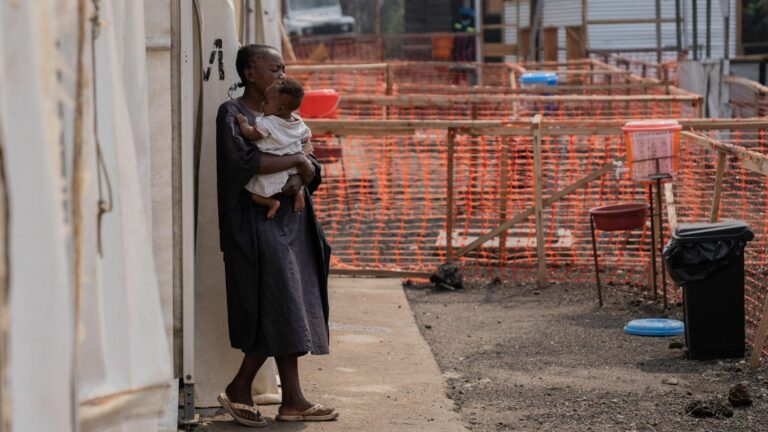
x: 279, y: 132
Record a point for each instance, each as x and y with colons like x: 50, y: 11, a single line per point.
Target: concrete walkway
x: 380, y: 375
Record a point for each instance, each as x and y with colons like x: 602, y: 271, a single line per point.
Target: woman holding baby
x: 277, y: 266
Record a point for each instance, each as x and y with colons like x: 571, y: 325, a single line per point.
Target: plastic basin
x: 620, y: 217
x: 655, y: 327
x: 319, y: 104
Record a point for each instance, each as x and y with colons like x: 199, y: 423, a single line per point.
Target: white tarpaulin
x: 125, y: 362
x: 118, y: 379
x: 705, y: 78
x: 215, y: 361
x: 41, y: 306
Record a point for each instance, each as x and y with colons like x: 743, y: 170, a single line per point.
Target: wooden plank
x: 390, y: 88
x: 492, y: 49
x: 749, y: 160
x: 631, y: 21
x: 336, y: 67
x: 449, y: 189
x: 494, y: 7
x: 574, y: 46
x: 498, y: 26
x: 538, y: 200
x: 499, y: 127
x: 412, y: 100
x: 381, y: 273
x: 669, y: 200
x: 503, y: 196
x: 549, y: 127
x: 557, y: 64
x: 762, y: 331
x: 714, y: 213
x: 530, y: 210
x: 549, y: 43
x: 753, y: 85
x: 523, y: 43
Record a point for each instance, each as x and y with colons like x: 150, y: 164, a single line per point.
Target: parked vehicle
x: 316, y: 17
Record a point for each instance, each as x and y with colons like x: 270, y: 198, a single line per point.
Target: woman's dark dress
x: 276, y: 270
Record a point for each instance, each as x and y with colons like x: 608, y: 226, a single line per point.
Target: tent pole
x: 187, y: 141
x: 709, y: 28
x: 678, y: 25
x: 695, y: 30
x: 658, y: 31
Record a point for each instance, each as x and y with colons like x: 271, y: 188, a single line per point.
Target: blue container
x: 539, y: 79
x: 655, y: 327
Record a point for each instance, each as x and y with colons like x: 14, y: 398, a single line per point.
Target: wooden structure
x: 544, y: 198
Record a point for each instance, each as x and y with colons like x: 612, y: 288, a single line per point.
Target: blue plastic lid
x: 655, y: 327
x: 545, y: 78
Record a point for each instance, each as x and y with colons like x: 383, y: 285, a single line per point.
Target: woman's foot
x: 273, y: 209
x: 243, y: 397
x: 306, y: 411
x: 271, y: 204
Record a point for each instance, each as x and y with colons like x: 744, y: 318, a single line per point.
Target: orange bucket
x: 442, y: 47
x: 653, y: 147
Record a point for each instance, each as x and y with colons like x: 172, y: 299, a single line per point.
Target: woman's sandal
x: 233, y: 407
x: 309, y: 415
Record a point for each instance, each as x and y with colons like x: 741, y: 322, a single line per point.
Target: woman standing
x: 276, y: 269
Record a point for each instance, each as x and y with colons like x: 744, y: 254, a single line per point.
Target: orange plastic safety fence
x: 645, y: 64
x: 372, y: 48
x: 446, y: 85
x: 385, y: 200
x: 459, y: 108
x: 747, y: 98
x: 384, y: 205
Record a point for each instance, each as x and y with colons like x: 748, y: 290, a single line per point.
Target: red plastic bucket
x: 652, y: 148
x: 620, y: 217
x: 319, y: 104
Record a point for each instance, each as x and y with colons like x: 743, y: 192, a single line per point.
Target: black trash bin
x: 707, y: 260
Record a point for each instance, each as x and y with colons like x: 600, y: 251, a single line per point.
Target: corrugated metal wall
x: 510, y: 17
x: 562, y: 13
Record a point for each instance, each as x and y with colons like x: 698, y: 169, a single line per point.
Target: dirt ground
x: 520, y: 359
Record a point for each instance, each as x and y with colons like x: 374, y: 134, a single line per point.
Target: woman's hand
x: 306, y: 169
x: 305, y: 176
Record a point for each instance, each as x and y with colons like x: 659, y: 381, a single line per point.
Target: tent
x: 85, y: 333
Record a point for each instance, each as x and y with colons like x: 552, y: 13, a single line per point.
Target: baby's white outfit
x: 281, y: 137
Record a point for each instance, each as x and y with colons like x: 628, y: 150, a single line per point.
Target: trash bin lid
x: 705, y: 232
x: 655, y: 327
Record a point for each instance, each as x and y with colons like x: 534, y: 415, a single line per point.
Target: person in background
x: 464, y: 46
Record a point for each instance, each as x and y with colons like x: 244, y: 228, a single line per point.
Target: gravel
x: 519, y: 358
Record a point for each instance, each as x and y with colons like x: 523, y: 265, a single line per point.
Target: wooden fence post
x: 715, y: 212
x: 449, y: 188
x: 388, y: 78
x: 762, y: 332
x: 538, y: 196
x: 503, y: 196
